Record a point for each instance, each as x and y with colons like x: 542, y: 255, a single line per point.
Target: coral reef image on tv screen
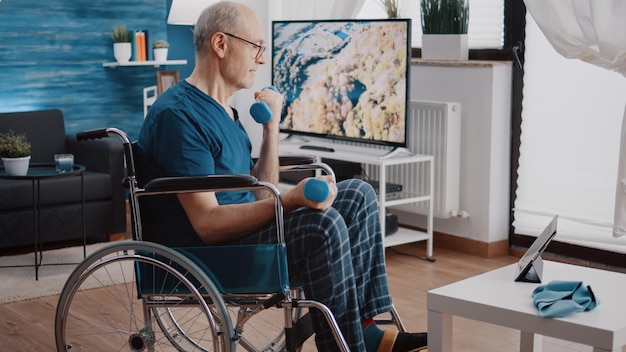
x: 343, y: 79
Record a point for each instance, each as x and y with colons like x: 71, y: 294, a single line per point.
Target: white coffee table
x: 495, y: 298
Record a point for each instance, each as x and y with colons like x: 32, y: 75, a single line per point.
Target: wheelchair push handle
x: 91, y: 134
x: 316, y: 190
x: 102, y: 133
x: 260, y: 111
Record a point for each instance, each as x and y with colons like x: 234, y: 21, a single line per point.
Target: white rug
x: 18, y: 284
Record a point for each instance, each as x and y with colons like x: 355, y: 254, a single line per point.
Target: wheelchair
x: 135, y: 295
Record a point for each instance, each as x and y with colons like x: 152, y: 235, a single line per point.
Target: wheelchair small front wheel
x: 110, y: 300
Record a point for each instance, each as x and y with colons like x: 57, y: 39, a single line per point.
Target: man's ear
x: 219, y: 44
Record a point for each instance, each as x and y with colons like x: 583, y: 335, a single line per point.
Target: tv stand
x: 394, y: 152
x: 374, y: 156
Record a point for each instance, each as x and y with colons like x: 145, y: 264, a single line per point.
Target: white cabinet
x: 374, y: 156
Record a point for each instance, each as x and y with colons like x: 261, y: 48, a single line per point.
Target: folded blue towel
x: 562, y: 298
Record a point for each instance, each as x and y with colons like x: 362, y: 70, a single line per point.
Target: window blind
x: 571, y: 121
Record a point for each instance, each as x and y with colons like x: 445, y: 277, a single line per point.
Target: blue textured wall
x: 51, y: 55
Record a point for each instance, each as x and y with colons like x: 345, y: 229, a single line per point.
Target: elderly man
x: 334, y: 247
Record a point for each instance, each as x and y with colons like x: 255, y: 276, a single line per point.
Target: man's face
x: 247, y: 52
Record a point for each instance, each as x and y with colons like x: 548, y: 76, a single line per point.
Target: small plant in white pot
x: 159, y: 49
x: 122, y: 49
x: 15, y: 153
x: 444, y: 29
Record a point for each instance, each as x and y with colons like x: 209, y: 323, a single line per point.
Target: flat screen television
x: 344, y: 79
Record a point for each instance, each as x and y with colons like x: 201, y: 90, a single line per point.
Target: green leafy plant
x: 392, y: 8
x: 13, y: 145
x: 160, y: 44
x: 120, y: 34
x: 444, y: 16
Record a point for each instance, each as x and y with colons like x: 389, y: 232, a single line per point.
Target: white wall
x: 484, y: 91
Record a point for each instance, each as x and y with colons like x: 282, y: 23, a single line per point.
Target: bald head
x: 224, y: 16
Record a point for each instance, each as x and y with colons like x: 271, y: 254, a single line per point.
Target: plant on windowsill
x: 159, y: 50
x: 392, y: 8
x: 121, y: 44
x: 444, y: 29
x: 15, y: 153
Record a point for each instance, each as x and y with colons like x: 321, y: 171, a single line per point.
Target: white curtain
x: 318, y: 9
x: 594, y: 32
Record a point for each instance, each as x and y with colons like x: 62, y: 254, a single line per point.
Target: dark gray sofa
x: 105, y: 205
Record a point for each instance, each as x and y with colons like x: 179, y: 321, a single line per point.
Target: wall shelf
x: 144, y: 63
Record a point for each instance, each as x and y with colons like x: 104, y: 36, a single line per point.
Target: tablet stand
x: 532, y: 272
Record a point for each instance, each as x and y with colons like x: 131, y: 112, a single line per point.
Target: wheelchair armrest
x: 295, y: 163
x: 200, y: 183
x: 292, y: 160
x: 214, y: 183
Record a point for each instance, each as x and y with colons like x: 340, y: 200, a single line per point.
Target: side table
x: 37, y: 172
x: 495, y: 298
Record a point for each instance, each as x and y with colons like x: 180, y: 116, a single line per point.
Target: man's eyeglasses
x: 260, y: 48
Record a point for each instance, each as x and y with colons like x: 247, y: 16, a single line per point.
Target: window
x: 486, y: 27
x: 572, y: 116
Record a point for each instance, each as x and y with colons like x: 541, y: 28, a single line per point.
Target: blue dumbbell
x: 316, y: 190
x: 260, y: 111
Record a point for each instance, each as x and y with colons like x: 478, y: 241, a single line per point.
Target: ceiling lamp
x: 186, y: 12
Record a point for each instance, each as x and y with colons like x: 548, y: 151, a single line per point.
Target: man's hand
x: 295, y: 197
x: 275, y: 102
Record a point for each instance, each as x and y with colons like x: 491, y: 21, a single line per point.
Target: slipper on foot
x: 394, y: 341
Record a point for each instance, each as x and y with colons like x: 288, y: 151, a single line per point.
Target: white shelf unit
x: 144, y: 63
x: 373, y: 156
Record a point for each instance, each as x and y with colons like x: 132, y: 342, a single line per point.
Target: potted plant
x: 15, y: 153
x: 444, y: 29
x: 392, y: 8
x: 159, y: 49
x: 121, y: 44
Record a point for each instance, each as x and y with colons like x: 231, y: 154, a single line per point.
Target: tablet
x: 530, y: 266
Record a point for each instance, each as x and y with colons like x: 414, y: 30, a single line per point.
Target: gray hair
x: 219, y: 17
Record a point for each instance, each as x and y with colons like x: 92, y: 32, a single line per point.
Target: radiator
x: 434, y: 128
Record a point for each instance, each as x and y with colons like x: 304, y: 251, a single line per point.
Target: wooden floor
x: 28, y: 325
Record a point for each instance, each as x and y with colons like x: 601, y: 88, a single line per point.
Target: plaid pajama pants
x: 338, y: 256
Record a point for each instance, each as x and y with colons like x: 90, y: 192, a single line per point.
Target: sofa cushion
x: 16, y: 194
x: 58, y: 223
x: 44, y: 129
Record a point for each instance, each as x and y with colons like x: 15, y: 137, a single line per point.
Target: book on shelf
x: 140, y: 47
x: 133, y: 44
x: 148, y: 46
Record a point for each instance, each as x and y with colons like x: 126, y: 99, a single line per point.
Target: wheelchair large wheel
x: 102, y: 306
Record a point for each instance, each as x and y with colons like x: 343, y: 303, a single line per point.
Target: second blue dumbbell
x: 316, y: 190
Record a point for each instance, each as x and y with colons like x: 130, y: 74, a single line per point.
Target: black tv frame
x: 288, y: 88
